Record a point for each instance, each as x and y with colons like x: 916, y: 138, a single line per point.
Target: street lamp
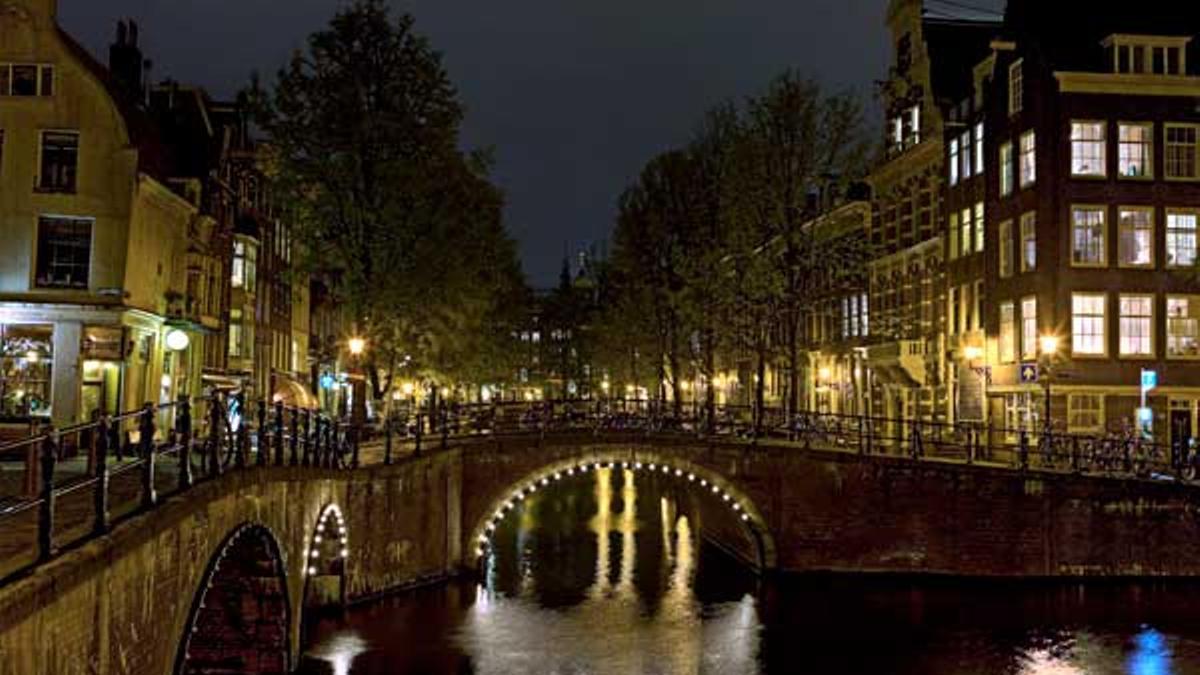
x: 1048, y: 345
x: 356, y: 345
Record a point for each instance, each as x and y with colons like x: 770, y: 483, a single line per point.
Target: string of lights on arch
x: 337, y: 532
x: 484, y: 539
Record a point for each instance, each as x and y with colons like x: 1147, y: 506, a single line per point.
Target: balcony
x: 904, y: 360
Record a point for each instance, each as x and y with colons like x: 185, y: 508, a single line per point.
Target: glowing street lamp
x: 973, y: 353
x: 356, y: 345
x: 1049, y: 345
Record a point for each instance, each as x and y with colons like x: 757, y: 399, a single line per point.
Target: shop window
x: 26, y: 365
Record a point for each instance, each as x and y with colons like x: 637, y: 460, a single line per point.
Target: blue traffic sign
x: 1149, y: 380
x: 1029, y: 373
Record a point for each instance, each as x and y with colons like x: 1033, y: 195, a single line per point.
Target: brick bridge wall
x: 120, y: 604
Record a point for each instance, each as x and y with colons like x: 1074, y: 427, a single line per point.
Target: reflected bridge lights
x: 331, y: 527
x: 484, y: 540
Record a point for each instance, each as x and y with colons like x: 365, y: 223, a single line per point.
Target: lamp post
x: 1048, y: 349
x: 358, y: 389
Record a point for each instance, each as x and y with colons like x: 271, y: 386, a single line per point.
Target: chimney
x: 125, y: 60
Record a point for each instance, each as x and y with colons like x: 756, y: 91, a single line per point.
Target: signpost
x: 1145, y: 416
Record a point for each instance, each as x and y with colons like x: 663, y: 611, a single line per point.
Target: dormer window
x: 1147, y: 54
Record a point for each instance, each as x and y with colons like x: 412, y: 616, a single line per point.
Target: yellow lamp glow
x: 1049, y: 344
x: 357, y: 345
x: 825, y: 373
x: 177, y: 340
x: 972, y: 353
x: 407, y: 388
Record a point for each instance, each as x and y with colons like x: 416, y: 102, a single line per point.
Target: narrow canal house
x: 1092, y: 181
x: 905, y: 354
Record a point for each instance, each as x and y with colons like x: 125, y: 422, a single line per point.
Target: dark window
x: 60, y: 155
x: 64, y: 248
x: 24, y: 80
x: 4, y: 79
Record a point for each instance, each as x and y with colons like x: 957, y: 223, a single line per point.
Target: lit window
x: 1006, y: 169
x: 952, y: 307
x: 965, y: 155
x: 1005, y: 249
x: 64, y: 252
x: 60, y: 158
x: 1181, y: 239
x: 1008, y: 328
x: 1029, y: 241
x: 1088, y: 324
x: 1087, y: 237
x: 954, y: 161
x: 1136, y: 323
x: 1087, y: 149
x: 965, y: 231
x: 979, y: 305
x: 979, y: 149
x: 1085, y: 412
x: 1183, y: 151
x: 1029, y: 328
x: 1028, y: 158
x: 953, y: 248
x: 1016, y: 88
x: 864, y: 324
x: 979, y: 227
x: 1136, y: 150
x: 1135, y: 243
x: 1183, y: 326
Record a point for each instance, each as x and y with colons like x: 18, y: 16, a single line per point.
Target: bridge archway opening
x: 325, y: 560
x: 241, y: 617
x: 686, y: 474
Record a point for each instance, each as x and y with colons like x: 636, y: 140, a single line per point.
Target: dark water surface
x: 604, y: 574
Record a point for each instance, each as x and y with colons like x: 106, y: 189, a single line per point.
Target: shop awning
x: 293, y: 393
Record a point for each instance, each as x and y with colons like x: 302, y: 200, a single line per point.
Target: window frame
x: 980, y: 238
x: 953, y: 161
x: 1016, y: 86
x: 1104, y: 353
x: 1103, y: 144
x: 1029, y: 344
x: 1151, y: 127
x: 1168, y: 233
x: 1167, y: 319
x: 1102, y: 209
x: 1073, y: 410
x: 1004, y: 240
x: 39, y: 185
x: 1195, y: 128
x: 1007, y: 346
x: 1027, y: 178
x: 1120, y: 238
x: 1007, y: 171
x: 40, y: 77
x: 977, y: 148
x: 1150, y: 320
x: 1028, y: 265
x: 35, y: 283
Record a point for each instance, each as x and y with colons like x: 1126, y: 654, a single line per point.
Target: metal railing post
x: 46, y: 506
x: 146, y: 450
x: 100, y: 495
x: 278, y: 433
x: 183, y: 427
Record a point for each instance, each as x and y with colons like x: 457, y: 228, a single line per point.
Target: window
x: 1183, y: 151
x: 1029, y: 241
x: 26, y: 79
x: 64, y: 252
x: 1005, y: 252
x: 245, y: 263
x: 1135, y: 150
x: 952, y: 313
x: 965, y: 155
x: 1006, y: 169
x: 60, y: 156
x: 1135, y: 240
x: 979, y: 149
x: 979, y: 305
x: 1137, y: 325
x: 235, y: 332
x: 1085, y: 412
x: 1016, y: 85
x: 1087, y: 324
x: 953, y: 248
x: 954, y: 161
x: 1183, y: 326
x: 979, y: 227
x: 1087, y: 149
x: 965, y: 232
x: 863, y: 316
x: 26, y: 369
x: 1181, y: 239
x: 1029, y: 328
x: 967, y: 303
x: 1087, y: 237
x: 1008, y: 327
x: 1028, y: 158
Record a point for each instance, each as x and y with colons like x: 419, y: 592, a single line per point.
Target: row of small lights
x: 520, y: 495
x: 315, y: 553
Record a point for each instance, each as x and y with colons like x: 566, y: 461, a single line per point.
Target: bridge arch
x: 240, y: 620
x: 325, y: 554
x: 746, y: 512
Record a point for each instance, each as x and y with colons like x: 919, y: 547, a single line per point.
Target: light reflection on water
x: 605, y: 574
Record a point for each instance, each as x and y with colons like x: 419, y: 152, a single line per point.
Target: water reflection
x: 607, y: 573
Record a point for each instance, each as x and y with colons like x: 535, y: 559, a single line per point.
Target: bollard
x: 49, y: 456
x: 183, y: 428
x: 100, y: 496
x: 146, y: 450
x: 278, y: 433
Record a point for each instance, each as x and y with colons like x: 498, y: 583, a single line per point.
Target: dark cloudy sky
x: 574, y: 95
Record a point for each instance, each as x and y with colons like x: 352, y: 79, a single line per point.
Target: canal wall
x: 125, y: 603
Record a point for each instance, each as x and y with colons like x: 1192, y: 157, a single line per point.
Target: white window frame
x: 1016, y: 87
x: 1029, y: 328
x: 1006, y: 169
x: 1080, y: 141
x: 1008, y: 332
x: 1145, y: 323
x: 1028, y: 241
x: 1176, y: 323
x: 1169, y: 146
x: 1086, y: 317
x: 1145, y: 148
x: 1126, y: 233
x: 1028, y: 152
x: 1076, y: 410
x: 1178, y: 238
x: 1103, y: 252
x: 1005, y: 248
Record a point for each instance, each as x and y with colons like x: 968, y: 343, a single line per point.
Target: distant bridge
x: 202, y: 553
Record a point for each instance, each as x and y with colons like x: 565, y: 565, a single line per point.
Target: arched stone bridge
x: 219, y: 576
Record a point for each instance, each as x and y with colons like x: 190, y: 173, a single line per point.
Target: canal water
x: 606, y: 573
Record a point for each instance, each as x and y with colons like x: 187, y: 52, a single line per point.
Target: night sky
x: 574, y: 95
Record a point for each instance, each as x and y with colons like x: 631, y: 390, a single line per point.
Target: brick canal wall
x: 121, y: 604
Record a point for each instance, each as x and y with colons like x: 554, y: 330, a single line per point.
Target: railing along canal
x: 79, y: 481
